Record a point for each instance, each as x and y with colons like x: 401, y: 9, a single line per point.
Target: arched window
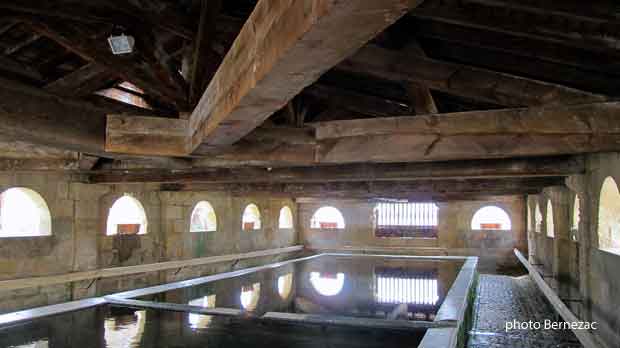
x: 203, y: 218
x: 491, y: 218
x: 249, y: 296
x: 575, y: 220
x: 538, y: 218
x: 24, y: 213
x: 251, y: 218
x: 327, y: 284
x: 609, y: 216
x: 327, y: 218
x: 285, y: 284
x: 550, y: 227
x: 286, y: 218
x: 126, y: 216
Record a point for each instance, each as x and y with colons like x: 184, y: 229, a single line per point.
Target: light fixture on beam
x: 121, y: 44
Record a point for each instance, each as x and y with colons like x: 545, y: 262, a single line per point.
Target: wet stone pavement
x: 504, y: 299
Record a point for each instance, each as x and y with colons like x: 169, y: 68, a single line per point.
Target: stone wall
x: 585, y: 276
x: 455, y: 236
x: 79, y: 241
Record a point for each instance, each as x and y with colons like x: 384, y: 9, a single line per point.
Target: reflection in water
x: 327, y: 284
x: 125, y: 331
x: 285, y: 283
x: 201, y: 321
x: 38, y: 344
x: 249, y: 296
x: 396, y: 290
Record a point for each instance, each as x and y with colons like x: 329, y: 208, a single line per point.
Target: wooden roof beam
x: 462, y: 80
x: 472, y: 135
x: 433, y: 189
x: 282, y: 48
x: 504, y: 168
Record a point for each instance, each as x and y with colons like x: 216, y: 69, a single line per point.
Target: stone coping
x: 453, y: 309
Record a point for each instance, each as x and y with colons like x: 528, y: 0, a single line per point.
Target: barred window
x: 406, y: 219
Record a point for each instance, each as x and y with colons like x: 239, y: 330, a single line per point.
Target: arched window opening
x: 251, y: 218
x: 286, y: 218
x: 126, y: 216
x: 550, y: 226
x: 201, y: 321
x: 203, y: 218
x: 538, y: 219
x: 609, y: 217
x: 406, y: 219
x: 327, y: 284
x: 249, y: 296
x: 327, y: 218
x: 24, y: 213
x: 124, y: 330
x: 285, y: 284
x: 575, y: 221
x: 491, y: 218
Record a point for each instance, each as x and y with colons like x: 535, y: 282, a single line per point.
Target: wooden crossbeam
x: 429, y: 189
x: 462, y: 80
x: 282, y: 48
x: 472, y: 135
x: 505, y: 168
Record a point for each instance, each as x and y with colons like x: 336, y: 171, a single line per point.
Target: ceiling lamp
x: 121, y: 44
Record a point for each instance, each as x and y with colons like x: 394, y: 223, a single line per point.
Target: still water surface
x: 367, y: 287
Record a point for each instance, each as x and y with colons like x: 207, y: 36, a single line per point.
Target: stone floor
x: 503, y: 299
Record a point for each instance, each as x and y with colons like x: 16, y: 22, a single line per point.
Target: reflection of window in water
x: 249, y: 296
x: 393, y: 289
x: 285, y: 284
x: 327, y: 284
x: 201, y: 321
x: 125, y: 331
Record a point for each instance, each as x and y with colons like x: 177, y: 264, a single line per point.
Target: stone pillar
x: 560, y: 198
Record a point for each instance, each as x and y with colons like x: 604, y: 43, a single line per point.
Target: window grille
x: 406, y: 220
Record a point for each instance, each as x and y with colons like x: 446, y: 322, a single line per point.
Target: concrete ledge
x: 22, y: 283
x: 336, y: 320
x: 34, y: 313
x: 587, y: 339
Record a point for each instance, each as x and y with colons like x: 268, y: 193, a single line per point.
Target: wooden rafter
x: 141, y: 68
x: 462, y: 80
x: 204, y: 60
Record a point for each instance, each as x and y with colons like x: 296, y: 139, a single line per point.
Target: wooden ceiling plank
x: 462, y: 80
